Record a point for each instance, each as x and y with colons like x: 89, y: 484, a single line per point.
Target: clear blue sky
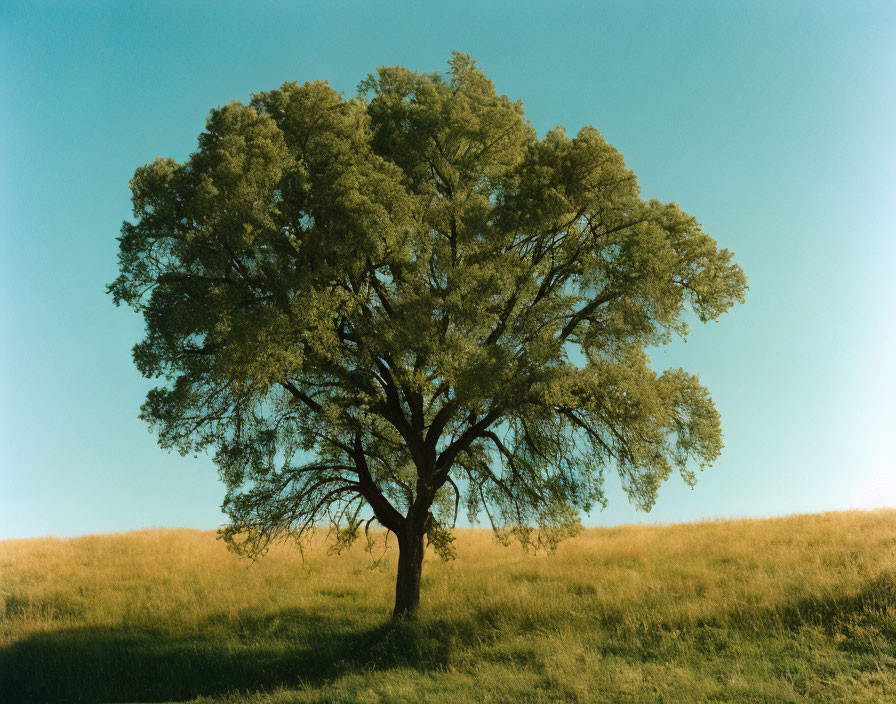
x: 771, y: 122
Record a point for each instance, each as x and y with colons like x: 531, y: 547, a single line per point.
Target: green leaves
x: 407, y: 300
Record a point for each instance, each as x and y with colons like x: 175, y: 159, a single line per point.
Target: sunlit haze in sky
x: 771, y: 122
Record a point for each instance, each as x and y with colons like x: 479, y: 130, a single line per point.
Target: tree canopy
x: 405, y: 304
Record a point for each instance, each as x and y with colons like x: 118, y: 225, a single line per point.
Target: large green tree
x: 405, y: 303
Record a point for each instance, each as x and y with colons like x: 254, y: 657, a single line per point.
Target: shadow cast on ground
x: 103, y: 664
x: 255, y: 652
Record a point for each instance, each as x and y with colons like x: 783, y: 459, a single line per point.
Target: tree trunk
x: 407, y: 583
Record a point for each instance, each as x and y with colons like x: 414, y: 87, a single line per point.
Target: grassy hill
x: 796, y: 609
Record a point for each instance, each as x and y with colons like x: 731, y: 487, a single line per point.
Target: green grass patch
x: 799, y: 609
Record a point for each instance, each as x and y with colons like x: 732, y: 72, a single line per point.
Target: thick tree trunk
x: 407, y: 582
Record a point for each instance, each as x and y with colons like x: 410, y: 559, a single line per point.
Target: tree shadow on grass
x: 862, y: 616
x: 119, y: 664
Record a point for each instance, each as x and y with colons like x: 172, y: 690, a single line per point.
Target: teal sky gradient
x: 772, y: 123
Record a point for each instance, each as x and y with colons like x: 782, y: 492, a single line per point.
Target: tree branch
x: 385, y: 512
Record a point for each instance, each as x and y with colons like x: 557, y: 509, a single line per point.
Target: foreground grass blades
x: 798, y: 609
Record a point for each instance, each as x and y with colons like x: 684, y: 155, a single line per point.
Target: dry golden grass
x: 796, y: 609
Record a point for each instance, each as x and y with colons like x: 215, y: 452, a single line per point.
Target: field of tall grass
x: 795, y: 609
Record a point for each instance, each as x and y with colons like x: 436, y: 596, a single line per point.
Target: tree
x: 390, y: 306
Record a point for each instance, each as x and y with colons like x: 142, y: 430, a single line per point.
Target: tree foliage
x: 409, y: 302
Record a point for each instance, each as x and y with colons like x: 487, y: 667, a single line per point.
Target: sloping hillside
x: 795, y: 609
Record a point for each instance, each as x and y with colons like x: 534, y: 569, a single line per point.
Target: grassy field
x: 796, y: 609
